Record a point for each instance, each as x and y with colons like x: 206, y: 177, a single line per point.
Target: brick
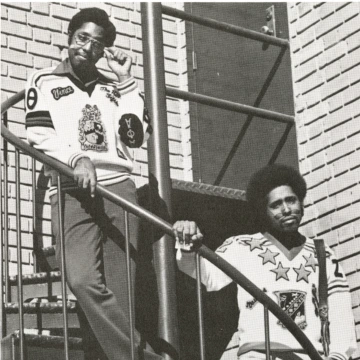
x: 101, y: 5
x: 309, y: 52
x: 41, y: 8
x: 136, y: 45
x: 315, y: 129
x: 19, y: 30
x: 124, y: 27
x: 120, y: 13
x: 344, y: 198
x: 307, y: 21
x: 135, y: 17
x: 332, y: 54
x: 4, y: 12
x: 42, y: 36
x: 44, y: 50
x: 169, y: 26
x: 315, y: 112
x: 4, y: 69
x: 313, y: 97
x: 349, y: 247
x: 354, y: 160
x: 170, y: 39
x: 342, y: 148
x: 348, y: 11
x: 17, y: 43
x: 350, y: 60
x: 317, y: 177
x: 327, y: 25
x: 311, y: 82
x: 18, y: 72
x: 44, y: 22
x: 332, y: 70
x: 17, y: 16
x: 317, y: 160
x: 349, y: 28
x: 59, y: 40
x: 325, y: 206
x: 353, y: 42
x: 345, y: 232
x: 334, y: 86
x: 122, y: 42
x: 335, y: 102
x: 304, y: 8
x: 41, y: 63
x: 353, y: 75
x: 18, y: 5
x: 352, y: 93
x: 16, y: 57
x: 62, y: 12
x: 173, y: 105
x: 317, y: 144
x: 340, y: 166
x: 306, y: 37
x: 331, y: 38
x: 4, y: 40
x: 326, y: 9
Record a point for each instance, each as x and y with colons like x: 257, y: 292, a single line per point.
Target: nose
x: 87, y: 46
x: 286, y: 208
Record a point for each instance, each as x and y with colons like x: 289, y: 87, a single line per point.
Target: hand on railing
x: 85, y: 175
x: 187, y: 235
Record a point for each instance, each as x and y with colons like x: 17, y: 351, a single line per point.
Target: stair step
x: 37, y: 278
x: 40, y: 307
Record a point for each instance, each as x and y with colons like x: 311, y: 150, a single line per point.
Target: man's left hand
x: 119, y: 62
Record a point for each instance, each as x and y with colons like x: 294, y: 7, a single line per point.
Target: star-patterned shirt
x: 291, y: 280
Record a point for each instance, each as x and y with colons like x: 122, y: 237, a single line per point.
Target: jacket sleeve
x: 211, y: 276
x: 40, y: 129
x: 341, y: 319
x: 134, y: 125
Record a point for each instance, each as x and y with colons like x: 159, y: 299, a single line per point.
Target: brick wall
x: 34, y: 36
x: 325, y: 55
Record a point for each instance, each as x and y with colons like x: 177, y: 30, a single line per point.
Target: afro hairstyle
x: 269, y: 178
x: 96, y: 16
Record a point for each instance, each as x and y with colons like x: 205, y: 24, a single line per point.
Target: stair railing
x: 205, y: 252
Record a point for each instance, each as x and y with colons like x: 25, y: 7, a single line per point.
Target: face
x: 87, y: 55
x: 283, y: 209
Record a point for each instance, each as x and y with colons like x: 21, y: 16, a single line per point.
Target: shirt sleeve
x: 211, y: 276
x: 134, y: 126
x: 40, y: 129
x: 341, y: 318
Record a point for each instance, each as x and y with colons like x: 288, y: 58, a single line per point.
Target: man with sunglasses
x: 89, y: 122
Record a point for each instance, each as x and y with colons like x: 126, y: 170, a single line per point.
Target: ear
x: 70, y: 35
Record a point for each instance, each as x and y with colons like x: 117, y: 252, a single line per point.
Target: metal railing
x: 233, y: 273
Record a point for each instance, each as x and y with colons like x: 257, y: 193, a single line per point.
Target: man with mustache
x: 90, y: 122
x: 284, y: 263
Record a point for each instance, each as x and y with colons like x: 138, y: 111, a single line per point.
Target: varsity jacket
x: 101, y: 120
x: 292, y: 284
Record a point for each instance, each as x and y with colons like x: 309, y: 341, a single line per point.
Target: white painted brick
x: 4, y: 69
x: 169, y: 26
x: 4, y: 12
x: 101, y: 5
x: 327, y: 25
x: 44, y: 50
x: 4, y: 41
x: 316, y: 112
x: 42, y: 36
x: 352, y: 93
x: 124, y: 27
x: 135, y: 17
x: 306, y: 37
x: 345, y: 232
x: 44, y: 22
x: 353, y: 75
x: 348, y: 11
x: 309, y: 52
x: 18, y: 5
x: 303, y: 71
x: 336, y: 102
x: 307, y: 21
x: 315, y: 129
x: 41, y: 8
x: 334, y: 86
x: 19, y: 30
x: 353, y: 42
x: 313, y: 97
x: 292, y: 14
x: 59, y: 39
x: 136, y: 45
x: 62, y: 12
x: 331, y: 38
x: 120, y: 13
x: 332, y: 70
x: 332, y: 54
x: 349, y: 247
x: 18, y: 72
x: 304, y: 8
x: 349, y: 28
x: 326, y: 9
x: 16, y: 43
x: 17, y: 16
x: 41, y: 62
x: 12, y: 85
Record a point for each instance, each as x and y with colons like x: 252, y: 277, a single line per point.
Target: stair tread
x: 52, y: 341
x: 36, y: 278
x: 33, y: 308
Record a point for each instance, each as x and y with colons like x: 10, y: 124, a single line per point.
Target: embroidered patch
x: 112, y: 95
x: 60, y: 92
x: 251, y: 303
x: 92, y: 134
x: 281, y: 272
x: 293, y: 303
x: 131, y: 130
x: 31, y: 99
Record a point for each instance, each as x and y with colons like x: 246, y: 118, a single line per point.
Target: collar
x: 65, y: 68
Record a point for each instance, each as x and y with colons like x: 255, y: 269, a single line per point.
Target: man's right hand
x: 85, y: 175
x: 187, y: 231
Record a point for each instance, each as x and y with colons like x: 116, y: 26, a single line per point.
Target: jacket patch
x: 31, y: 98
x: 60, y: 92
x: 131, y: 130
x: 92, y: 134
x: 293, y: 303
x: 112, y: 95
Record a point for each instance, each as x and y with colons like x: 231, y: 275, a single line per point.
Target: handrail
x: 144, y: 214
x: 218, y: 25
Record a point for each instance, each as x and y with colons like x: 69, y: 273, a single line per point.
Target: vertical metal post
x: 2, y: 318
x: 200, y: 308
x: 159, y: 170
x: 63, y: 266
x: 267, y: 332
x: 129, y: 285
x: 19, y: 256
x: 35, y: 240
x: 6, y: 217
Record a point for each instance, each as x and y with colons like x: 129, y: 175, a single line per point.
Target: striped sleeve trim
x: 75, y: 158
x: 337, y: 356
x: 338, y: 289
x: 127, y: 86
x: 39, y: 118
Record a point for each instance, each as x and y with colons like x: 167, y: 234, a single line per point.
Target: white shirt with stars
x: 290, y: 278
